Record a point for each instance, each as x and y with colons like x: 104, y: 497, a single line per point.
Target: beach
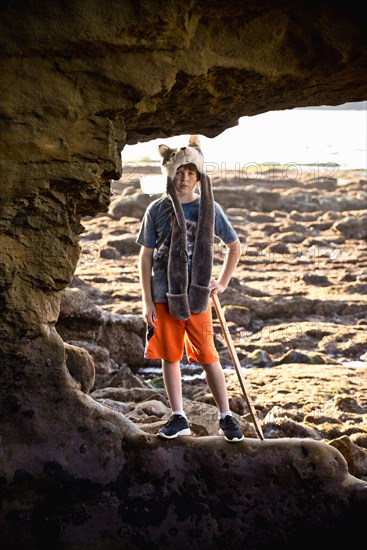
x: 295, y: 307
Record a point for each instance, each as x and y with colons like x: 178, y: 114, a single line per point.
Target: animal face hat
x: 174, y: 158
x: 183, y: 296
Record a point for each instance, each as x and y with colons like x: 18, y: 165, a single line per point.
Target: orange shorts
x: 170, y: 335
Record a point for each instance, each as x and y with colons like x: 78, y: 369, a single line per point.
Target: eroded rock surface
x: 79, y: 80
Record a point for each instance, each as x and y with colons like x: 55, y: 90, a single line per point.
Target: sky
x: 308, y: 136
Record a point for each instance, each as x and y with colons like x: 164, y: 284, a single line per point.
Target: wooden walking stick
x: 236, y: 362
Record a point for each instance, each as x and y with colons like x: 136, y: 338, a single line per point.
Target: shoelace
x: 230, y: 422
x: 173, y: 420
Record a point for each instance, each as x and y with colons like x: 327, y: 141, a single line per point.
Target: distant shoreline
x: 151, y: 170
x: 353, y: 106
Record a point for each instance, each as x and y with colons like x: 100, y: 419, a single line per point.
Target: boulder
x: 122, y: 335
x: 81, y: 366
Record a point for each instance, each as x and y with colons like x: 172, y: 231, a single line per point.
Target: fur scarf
x: 184, y: 297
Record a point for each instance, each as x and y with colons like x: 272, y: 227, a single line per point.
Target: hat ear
x: 162, y: 149
x: 194, y: 141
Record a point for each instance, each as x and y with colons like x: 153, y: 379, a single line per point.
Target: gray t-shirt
x: 155, y: 232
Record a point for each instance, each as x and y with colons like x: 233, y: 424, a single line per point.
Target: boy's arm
x: 145, y: 276
x: 217, y: 286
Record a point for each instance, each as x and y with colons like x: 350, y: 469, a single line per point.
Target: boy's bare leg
x: 217, y: 383
x: 173, y: 384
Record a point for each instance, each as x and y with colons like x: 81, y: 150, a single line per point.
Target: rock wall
x: 79, y: 80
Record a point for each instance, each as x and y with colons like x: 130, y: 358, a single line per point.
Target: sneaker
x: 230, y: 429
x: 176, y: 425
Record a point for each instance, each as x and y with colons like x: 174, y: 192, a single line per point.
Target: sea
x: 326, y: 137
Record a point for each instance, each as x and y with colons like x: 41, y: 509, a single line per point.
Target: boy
x: 175, y: 266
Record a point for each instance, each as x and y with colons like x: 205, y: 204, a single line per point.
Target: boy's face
x: 185, y: 180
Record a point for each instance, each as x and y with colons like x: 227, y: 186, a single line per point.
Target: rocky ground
x: 295, y: 308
